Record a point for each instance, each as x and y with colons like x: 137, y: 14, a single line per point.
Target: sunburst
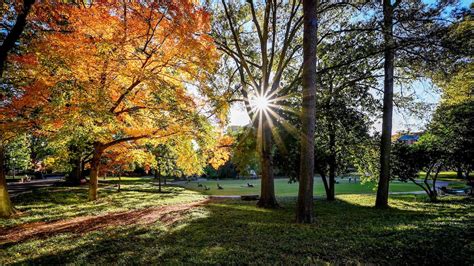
x: 264, y: 107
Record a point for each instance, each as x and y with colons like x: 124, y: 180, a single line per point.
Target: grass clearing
x: 54, y: 203
x: 283, y: 188
x: 348, y: 230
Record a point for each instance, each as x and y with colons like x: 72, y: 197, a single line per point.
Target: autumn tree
x: 118, y: 71
x: 188, y: 155
x: 10, y: 117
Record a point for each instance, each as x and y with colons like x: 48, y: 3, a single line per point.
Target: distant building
x: 235, y: 129
x: 408, y: 138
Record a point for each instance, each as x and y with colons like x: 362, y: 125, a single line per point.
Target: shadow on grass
x: 55, y: 203
x: 236, y: 232
x: 126, y: 181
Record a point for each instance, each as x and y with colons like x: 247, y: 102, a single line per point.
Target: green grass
x: 55, y: 203
x: 283, y: 188
x: 445, y: 176
x: 347, y: 231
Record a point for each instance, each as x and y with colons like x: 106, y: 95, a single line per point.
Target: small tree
x: 426, y: 155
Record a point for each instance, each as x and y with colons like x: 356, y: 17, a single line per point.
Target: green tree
x: 244, y: 151
x: 410, y: 34
x: 453, y: 125
x: 304, y: 207
x: 428, y: 155
x: 262, y: 41
x: 18, y: 153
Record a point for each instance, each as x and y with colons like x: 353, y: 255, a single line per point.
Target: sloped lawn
x: 348, y: 230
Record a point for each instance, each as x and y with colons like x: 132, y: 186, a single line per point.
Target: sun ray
x: 289, y: 109
x: 264, y: 106
x: 274, y: 131
x: 288, y: 126
x: 260, y: 132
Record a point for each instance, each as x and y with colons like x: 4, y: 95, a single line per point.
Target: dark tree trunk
x: 75, y: 176
x: 6, y: 208
x: 158, y: 176
x: 95, y: 164
x: 83, y: 167
x: 14, y: 34
x: 304, y: 209
x: 267, y: 192
x: 325, y: 184
x: 385, y: 144
x: 433, y: 192
x: 119, y: 182
x: 332, y: 163
x: 459, y: 173
x: 321, y: 172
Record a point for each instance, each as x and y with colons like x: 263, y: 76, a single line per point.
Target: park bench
x: 459, y: 191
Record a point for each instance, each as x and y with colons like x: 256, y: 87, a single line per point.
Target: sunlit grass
x: 283, y: 188
x: 348, y: 230
x: 55, y: 203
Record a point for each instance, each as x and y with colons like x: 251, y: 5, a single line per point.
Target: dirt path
x: 79, y: 225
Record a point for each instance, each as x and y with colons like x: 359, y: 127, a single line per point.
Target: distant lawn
x: 447, y: 176
x: 347, y: 231
x: 283, y: 188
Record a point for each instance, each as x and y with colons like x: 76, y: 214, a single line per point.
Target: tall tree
x: 304, y: 210
x: 386, y: 139
x: 413, y: 35
x: 6, y: 133
x: 260, y: 39
x: 136, y: 67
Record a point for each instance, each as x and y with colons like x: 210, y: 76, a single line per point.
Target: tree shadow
x: 50, y: 204
x: 236, y: 232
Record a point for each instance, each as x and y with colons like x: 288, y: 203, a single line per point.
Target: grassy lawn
x: 348, y: 230
x: 283, y: 188
x: 445, y: 176
x: 55, y: 203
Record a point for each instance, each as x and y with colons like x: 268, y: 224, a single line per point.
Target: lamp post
x: 13, y: 159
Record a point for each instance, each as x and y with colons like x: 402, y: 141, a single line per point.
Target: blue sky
x: 424, y: 92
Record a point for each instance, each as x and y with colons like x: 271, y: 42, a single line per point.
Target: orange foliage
x: 119, y: 69
x: 221, y: 153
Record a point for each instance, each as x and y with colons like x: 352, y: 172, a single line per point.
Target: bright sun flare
x: 261, y: 103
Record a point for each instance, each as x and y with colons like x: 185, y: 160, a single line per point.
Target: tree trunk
x: 385, y: 144
x: 304, y: 209
x: 267, y: 192
x: 158, y: 176
x: 434, y: 192
x: 325, y: 183
x: 14, y: 33
x: 6, y: 208
x: 95, y: 164
x: 75, y: 176
x: 119, y: 182
x: 459, y: 173
x: 332, y: 164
